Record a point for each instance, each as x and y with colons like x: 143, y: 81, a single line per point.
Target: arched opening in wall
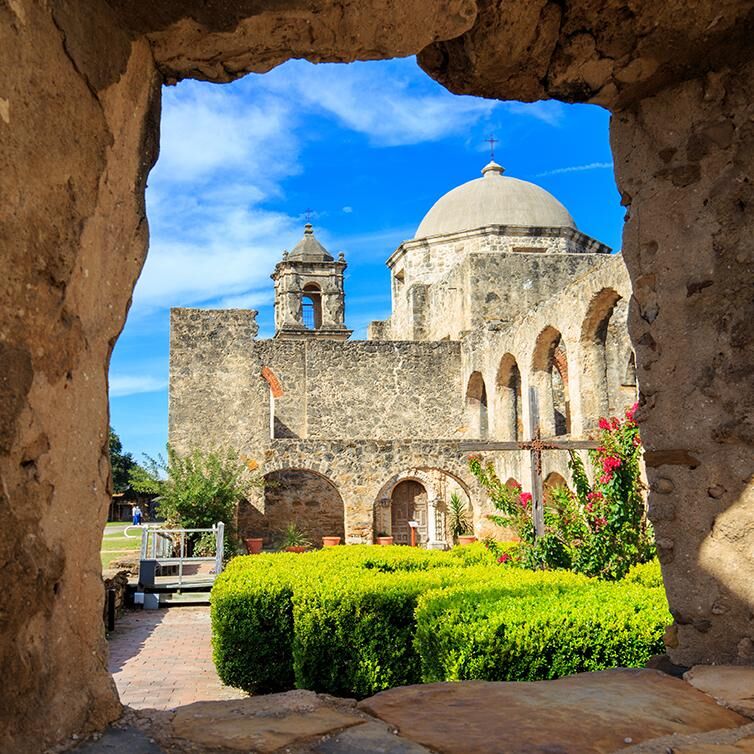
x: 508, y: 408
x: 408, y: 503
x: 433, y: 511
x: 553, y: 480
x: 550, y: 378
x: 476, y: 406
x: 311, y: 306
x: 302, y: 497
x: 605, y: 348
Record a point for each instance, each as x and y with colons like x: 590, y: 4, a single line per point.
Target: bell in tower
x: 309, y: 296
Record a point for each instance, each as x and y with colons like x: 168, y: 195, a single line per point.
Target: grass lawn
x: 115, y: 545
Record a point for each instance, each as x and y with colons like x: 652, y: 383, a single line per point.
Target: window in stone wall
x: 311, y: 306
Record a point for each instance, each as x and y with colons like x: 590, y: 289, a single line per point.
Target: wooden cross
x: 492, y: 141
x: 535, y: 445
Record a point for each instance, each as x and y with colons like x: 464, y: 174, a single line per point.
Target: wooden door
x: 408, y: 503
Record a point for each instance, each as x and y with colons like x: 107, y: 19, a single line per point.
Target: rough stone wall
x: 217, y: 395
x: 79, y: 112
x: 566, y: 312
x: 436, y: 264
x: 688, y: 245
x: 363, y: 472
x: 295, y: 496
x: 366, y: 389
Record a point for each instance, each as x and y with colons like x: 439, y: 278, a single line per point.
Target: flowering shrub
x: 599, y: 529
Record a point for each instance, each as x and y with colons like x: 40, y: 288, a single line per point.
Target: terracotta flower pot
x: 296, y: 548
x: 384, y: 541
x: 254, y: 545
x: 330, y: 541
x: 466, y: 539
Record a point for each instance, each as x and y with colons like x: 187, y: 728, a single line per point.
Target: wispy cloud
x: 381, y: 100
x: 548, y: 111
x: 125, y: 384
x: 578, y: 168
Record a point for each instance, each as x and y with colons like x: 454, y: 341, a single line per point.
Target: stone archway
x: 297, y: 496
x: 679, y: 87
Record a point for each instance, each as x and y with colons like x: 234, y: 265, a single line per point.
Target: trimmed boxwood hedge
x: 356, y: 620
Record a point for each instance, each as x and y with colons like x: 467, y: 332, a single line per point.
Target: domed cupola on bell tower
x: 309, y: 294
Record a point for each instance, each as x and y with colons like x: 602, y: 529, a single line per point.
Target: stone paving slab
x: 162, y: 659
x: 731, y: 685
x: 121, y: 741
x: 589, y: 713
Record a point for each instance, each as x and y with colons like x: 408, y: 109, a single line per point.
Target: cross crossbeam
x: 536, y: 445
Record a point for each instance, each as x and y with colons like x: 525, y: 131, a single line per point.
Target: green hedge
x: 545, y: 631
x: 356, y: 620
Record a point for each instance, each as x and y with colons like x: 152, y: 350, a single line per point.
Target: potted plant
x: 253, y: 545
x: 294, y: 539
x: 330, y: 541
x: 384, y: 539
x: 459, y: 521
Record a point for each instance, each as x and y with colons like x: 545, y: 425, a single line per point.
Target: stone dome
x: 494, y: 199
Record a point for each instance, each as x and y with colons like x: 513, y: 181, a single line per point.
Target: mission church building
x: 499, y: 303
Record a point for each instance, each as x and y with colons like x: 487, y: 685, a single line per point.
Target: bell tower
x: 309, y: 295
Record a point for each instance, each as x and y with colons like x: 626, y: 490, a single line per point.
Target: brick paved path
x: 162, y: 659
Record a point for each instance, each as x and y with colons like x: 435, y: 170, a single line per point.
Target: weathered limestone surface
x: 78, y: 127
x: 589, y: 713
x: 688, y: 247
x: 79, y: 112
x: 731, y: 685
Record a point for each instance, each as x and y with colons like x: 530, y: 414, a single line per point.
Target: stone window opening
x: 603, y: 355
x: 508, y: 406
x: 550, y: 376
x: 311, y: 307
x: 476, y: 406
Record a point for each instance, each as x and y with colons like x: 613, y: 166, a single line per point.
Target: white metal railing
x: 159, y: 544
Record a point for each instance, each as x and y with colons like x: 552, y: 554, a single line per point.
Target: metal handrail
x: 167, y: 534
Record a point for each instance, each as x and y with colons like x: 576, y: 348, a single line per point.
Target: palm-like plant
x: 294, y: 537
x: 458, y: 516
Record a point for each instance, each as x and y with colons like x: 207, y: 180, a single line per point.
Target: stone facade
x: 358, y: 437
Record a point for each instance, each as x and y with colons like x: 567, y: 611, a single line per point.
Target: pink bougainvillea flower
x: 504, y: 558
x: 604, y: 423
x: 631, y: 412
x: 637, y: 441
x: 605, y: 478
x: 614, y: 423
x: 524, y: 499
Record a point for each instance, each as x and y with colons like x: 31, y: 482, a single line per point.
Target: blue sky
x: 369, y: 147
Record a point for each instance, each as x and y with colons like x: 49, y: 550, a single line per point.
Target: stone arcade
x: 79, y: 128
x: 497, y: 293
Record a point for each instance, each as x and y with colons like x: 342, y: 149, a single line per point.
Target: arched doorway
x: 408, y: 502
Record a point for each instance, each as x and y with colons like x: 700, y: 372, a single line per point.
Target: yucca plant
x: 458, y: 516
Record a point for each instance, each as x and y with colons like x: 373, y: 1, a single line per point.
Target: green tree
x: 121, y: 463
x: 197, y: 490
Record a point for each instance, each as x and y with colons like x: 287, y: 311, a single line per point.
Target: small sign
x: 413, y: 524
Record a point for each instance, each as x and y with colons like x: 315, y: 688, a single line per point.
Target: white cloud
x: 548, y: 111
x: 388, y: 106
x: 125, y: 384
x: 348, y: 210
x: 577, y: 168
